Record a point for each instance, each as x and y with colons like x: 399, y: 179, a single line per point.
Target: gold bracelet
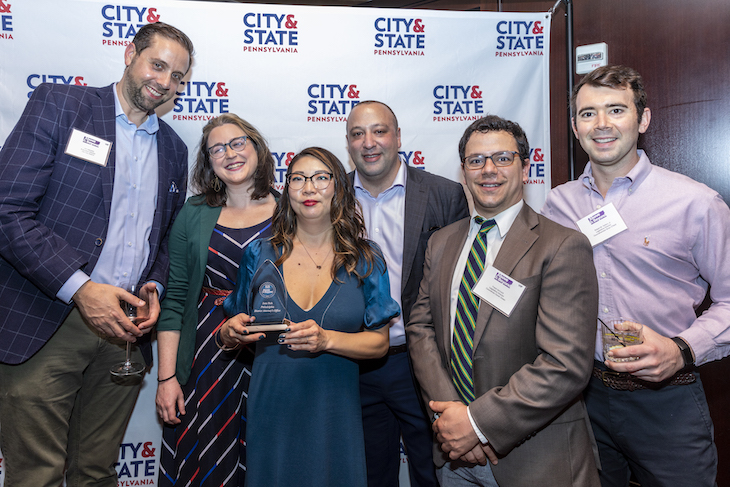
x: 220, y: 344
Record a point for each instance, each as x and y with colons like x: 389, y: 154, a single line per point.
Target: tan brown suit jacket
x: 529, y: 369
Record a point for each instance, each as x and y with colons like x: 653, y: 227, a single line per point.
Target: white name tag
x: 499, y: 290
x: 602, y: 224
x: 88, y: 147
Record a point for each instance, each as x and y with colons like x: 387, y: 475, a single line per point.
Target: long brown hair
x: 350, y: 244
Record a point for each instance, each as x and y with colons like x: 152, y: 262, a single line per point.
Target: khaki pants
x: 62, y: 409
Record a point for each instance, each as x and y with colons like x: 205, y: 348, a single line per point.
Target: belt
x: 223, y: 293
x: 622, y: 381
x: 397, y: 349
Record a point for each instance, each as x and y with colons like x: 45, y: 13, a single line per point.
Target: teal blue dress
x: 304, y: 422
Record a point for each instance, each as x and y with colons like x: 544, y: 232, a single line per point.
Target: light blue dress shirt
x: 126, y: 248
x: 384, y: 221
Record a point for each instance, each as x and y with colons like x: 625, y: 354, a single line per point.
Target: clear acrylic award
x: 268, y: 299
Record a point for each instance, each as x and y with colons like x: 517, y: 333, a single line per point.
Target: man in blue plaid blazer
x: 90, y: 181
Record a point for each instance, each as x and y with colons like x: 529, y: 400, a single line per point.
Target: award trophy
x: 267, y: 299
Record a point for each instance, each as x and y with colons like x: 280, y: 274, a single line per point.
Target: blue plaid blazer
x: 54, y: 209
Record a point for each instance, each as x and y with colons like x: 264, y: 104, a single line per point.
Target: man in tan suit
x: 514, y: 396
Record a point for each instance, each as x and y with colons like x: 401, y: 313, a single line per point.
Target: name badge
x: 88, y: 147
x: 602, y: 224
x: 499, y: 290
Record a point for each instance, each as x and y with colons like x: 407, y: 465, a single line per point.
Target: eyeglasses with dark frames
x: 320, y: 180
x: 499, y: 159
x: 218, y: 151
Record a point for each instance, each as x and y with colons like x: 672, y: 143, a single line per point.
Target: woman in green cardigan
x: 201, y: 395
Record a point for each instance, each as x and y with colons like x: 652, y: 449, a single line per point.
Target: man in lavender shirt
x: 649, y: 414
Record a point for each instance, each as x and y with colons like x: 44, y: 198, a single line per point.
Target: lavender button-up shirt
x: 657, y: 271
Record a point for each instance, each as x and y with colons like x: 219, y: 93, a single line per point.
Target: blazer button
x: 99, y: 241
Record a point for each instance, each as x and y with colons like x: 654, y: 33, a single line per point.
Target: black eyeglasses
x: 218, y: 151
x: 320, y: 180
x: 499, y: 159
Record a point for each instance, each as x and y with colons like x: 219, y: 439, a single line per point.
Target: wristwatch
x: 685, y: 350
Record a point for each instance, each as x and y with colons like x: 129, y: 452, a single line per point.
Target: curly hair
x: 350, y: 244
x: 202, y: 175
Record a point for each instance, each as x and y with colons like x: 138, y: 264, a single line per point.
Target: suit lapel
x: 105, y: 127
x: 416, y: 201
x: 446, y: 271
x: 518, y: 242
x: 163, y: 188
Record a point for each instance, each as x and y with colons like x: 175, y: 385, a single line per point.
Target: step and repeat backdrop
x: 295, y: 73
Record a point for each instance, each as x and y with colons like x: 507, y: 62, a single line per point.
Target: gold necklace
x: 319, y: 266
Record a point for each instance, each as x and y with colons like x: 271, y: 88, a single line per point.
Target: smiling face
x: 235, y: 168
x: 373, y: 142
x: 493, y: 188
x: 152, y: 75
x: 308, y: 202
x: 608, y: 127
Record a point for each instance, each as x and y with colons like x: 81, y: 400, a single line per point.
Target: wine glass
x: 128, y: 368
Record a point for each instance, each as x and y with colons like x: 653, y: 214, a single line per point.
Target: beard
x: 139, y: 100
x: 136, y: 97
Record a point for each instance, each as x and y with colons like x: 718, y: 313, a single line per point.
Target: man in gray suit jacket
x: 78, y: 226
x: 402, y: 207
x: 502, y: 361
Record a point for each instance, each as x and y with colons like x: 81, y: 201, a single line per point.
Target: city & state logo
x: 200, y: 100
x: 457, y: 103
x: 269, y: 32
x: 121, y: 22
x: 516, y: 38
x: 397, y: 36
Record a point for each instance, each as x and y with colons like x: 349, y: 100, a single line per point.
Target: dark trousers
x: 391, y: 408
x: 664, y: 436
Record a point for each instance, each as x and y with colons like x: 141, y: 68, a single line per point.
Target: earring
x: 217, y: 184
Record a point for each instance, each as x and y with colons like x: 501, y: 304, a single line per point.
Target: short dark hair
x: 146, y: 34
x: 616, y: 77
x: 375, y: 102
x: 493, y: 123
x: 203, y: 176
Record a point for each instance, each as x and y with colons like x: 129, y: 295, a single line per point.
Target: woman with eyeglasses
x: 304, y: 416
x: 201, y: 393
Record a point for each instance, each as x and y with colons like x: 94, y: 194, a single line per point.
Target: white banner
x: 295, y: 73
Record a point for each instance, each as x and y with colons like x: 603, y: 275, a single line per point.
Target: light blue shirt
x: 384, y: 221
x: 126, y: 248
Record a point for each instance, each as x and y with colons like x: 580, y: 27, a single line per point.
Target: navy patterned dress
x: 207, y: 448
